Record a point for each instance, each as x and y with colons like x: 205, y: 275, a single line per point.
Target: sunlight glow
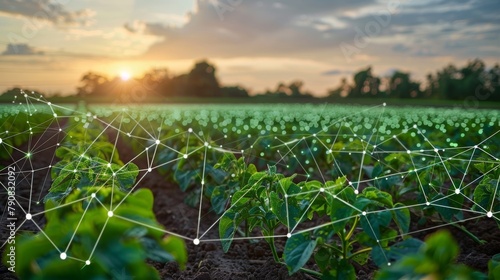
x: 125, y: 76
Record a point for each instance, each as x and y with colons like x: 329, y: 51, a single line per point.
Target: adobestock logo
x: 371, y: 29
x: 224, y: 6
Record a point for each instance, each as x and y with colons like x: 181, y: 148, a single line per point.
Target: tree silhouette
x: 201, y: 81
x: 401, y: 86
x: 92, y: 84
x: 365, y: 84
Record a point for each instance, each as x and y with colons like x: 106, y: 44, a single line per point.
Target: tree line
x: 451, y: 83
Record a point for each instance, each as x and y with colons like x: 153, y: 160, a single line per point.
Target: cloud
x: 316, y: 28
x: 336, y: 72
x: 21, y: 49
x: 401, y: 48
x: 250, y: 28
x: 45, y: 10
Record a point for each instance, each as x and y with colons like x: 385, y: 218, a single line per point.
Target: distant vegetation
x: 473, y: 81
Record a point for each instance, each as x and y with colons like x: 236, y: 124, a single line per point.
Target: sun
x: 125, y: 75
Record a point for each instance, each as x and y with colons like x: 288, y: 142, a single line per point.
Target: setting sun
x: 125, y: 76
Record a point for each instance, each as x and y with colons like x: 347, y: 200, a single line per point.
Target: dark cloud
x: 401, y: 48
x: 223, y: 28
x: 335, y: 72
x: 21, y: 49
x: 45, y: 10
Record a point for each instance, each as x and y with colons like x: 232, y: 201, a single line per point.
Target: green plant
x: 83, y: 230
x: 340, y: 243
x: 270, y: 201
x: 435, y: 260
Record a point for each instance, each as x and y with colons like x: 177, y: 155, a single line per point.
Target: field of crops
x: 248, y: 191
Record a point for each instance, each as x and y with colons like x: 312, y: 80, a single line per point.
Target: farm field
x: 281, y: 191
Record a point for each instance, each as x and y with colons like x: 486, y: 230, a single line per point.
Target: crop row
x: 361, y: 176
x: 96, y: 222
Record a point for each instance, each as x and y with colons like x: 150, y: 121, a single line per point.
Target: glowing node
x: 489, y: 214
x: 190, y: 130
x: 321, y: 190
x: 436, y: 150
x: 157, y: 142
x: 1, y: 140
x: 356, y: 192
x: 110, y: 214
x: 74, y: 170
x: 388, y: 264
x: 457, y: 191
x: 92, y: 195
x: 28, y: 216
x: 288, y: 235
x: 108, y: 165
x: 475, y: 147
x: 114, y: 174
x: 63, y: 256
x: 185, y: 156
x: 49, y: 103
x: 55, y: 115
x: 427, y: 203
x: 384, y: 104
x: 149, y: 169
x: 203, y: 182
x: 196, y: 241
x: 206, y: 144
x: 363, y: 213
x: 87, y: 262
x: 408, y: 151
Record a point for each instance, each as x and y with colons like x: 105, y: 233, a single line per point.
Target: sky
x: 49, y: 44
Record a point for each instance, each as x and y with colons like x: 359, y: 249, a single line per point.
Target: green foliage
x: 81, y: 166
x: 494, y: 267
x: 487, y: 193
x: 115, y: 245
x: 298, y: 250
x: 435, y: 260
x: 270, y: 200
x: 85, y: 171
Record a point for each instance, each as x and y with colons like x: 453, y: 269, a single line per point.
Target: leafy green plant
x: 83, y: 230
x: 86, y: 171
x: 487, y: 192
x: 270, y: 201
x: 340, y: 244
x: 435, y: 260
x: 81, y: 166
